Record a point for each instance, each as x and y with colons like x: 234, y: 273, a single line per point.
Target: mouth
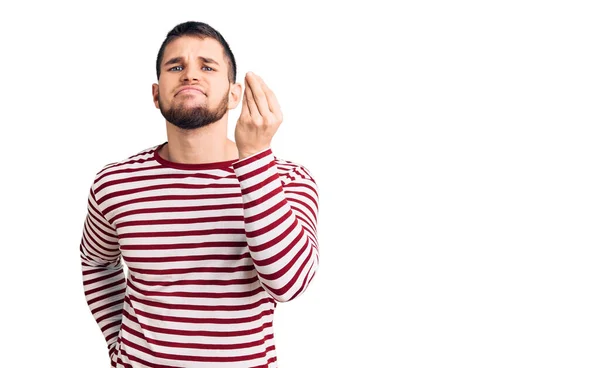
x: 190, y: 90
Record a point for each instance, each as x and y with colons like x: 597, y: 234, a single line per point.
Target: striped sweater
x: 210, y: 250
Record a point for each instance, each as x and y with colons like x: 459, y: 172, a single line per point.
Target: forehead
x: 193, y: 46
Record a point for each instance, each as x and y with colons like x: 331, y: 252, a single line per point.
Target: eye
x: 211, y: 69
x: 175, y: 67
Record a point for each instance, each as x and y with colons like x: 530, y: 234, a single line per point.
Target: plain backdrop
x: 455, y: 145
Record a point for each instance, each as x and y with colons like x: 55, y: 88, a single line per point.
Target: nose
x: 190, y: 74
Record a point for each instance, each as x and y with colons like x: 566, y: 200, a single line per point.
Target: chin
x: 190, y: 104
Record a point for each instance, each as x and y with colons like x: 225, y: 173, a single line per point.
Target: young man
x: 214, y: 232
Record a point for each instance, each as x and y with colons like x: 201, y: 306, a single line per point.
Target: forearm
x: 104, y: 288
x: 280, y: 225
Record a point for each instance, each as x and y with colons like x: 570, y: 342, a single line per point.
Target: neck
x: 203, y: 145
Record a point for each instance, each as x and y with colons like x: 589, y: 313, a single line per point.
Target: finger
x: 251, y: 103
x: 260, y: 98
x: 271, y: 99
x: 245, y: 110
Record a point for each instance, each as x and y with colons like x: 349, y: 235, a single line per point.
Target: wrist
x: 245, y: 154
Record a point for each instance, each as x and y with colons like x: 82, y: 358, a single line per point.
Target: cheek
x: 219, y: 93
x: 164, y: 96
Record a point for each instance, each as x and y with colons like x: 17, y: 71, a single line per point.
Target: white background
x: 455, y: 145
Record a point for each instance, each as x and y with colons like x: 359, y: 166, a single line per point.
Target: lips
x: 190, y: 90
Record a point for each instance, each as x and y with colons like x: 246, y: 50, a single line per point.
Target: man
x: 214, y: 232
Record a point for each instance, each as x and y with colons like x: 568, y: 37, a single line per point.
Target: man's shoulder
x: 292, y: 170
x: 140, y: 160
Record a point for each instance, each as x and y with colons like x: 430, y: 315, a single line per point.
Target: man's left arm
x: 280, y: 219
x: 280, y: 212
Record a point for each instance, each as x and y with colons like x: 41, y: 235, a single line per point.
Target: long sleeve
x: 280, y: 220
x: 103, y: 275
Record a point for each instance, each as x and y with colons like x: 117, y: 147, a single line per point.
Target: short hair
x: 201, y: 30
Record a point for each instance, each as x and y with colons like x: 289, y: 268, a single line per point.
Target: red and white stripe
x: 210, y: 248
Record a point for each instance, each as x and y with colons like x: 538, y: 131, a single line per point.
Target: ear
x: 235, y: 95
x: 155, y: 94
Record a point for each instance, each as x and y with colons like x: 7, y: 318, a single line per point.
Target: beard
x: 193, y: 117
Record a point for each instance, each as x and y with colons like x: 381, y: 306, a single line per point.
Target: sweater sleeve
x: 280, y: 220
x: 103, y: 275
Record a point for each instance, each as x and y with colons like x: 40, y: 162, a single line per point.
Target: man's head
x: 196, y: 73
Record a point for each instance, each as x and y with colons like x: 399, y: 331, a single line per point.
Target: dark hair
x: 201, y: 30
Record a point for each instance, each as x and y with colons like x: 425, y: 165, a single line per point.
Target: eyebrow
x: 179, y: 60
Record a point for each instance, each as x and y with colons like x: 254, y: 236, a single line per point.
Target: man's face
x: 193, y: 89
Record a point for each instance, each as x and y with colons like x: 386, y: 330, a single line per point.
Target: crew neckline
x: 181, y: 166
